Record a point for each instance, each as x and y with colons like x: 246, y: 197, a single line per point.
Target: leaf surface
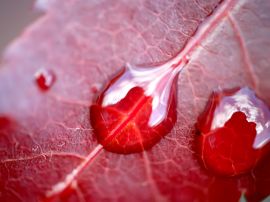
x: 48, y: 149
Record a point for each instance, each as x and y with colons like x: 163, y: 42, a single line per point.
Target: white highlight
x: 256, y: 111
x: 155, y: 81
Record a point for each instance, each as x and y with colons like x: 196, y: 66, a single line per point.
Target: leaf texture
x: 47, y: 147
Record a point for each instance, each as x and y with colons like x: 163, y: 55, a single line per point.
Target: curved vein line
x: 156, y: 192
x: 44, y: 155
x: 63, y: 185
x: 247, y: 60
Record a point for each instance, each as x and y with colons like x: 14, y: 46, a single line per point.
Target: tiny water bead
x: 95, y: 88
x: 234, y: 132
x: 136, y: 109
x: 44, y: 79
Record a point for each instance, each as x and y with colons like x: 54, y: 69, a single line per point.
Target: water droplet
x: 137, y: 108
x: 234, y: 131
x: 44, y: 79
x: 95, y: 88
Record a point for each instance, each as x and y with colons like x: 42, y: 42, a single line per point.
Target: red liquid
x: 235, y: 132
x: 44, y: 79
x: 137, y: 108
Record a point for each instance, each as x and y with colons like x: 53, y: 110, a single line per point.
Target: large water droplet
x: 235, y: 131
x: 44, y: 79
x: 137, y: 108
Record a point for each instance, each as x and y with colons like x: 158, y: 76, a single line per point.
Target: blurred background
x: 15, y: 15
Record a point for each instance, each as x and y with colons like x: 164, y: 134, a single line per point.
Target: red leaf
x: 47, y: 144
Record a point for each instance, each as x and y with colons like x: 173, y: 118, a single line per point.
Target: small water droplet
x: 44, y: 79
x: 95, y: 88
x: 234, y: 131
